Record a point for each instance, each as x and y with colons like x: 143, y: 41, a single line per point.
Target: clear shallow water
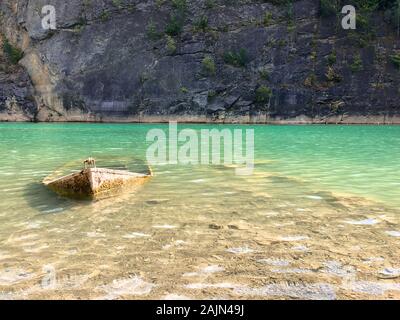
x: 319, y: 218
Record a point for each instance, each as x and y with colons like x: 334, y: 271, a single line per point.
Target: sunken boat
x: 94, y: 182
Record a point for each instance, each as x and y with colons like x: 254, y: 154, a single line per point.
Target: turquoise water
x: 322, y: 205
x: 361, y: 160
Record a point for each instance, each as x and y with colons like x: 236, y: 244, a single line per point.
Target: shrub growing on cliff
x: 267, y: 19
x: 171, y: 45
x: 311, y: 81
x: 177, y: 18
x: 184, y: 90
x: 179, y: 5
x: 208, y: 66
x: 160, y: 3
x: 152, y: 32
x: 236, y: 58
x: 332, y: 75
x: 289, y: 12
x: 331, y: 59
x: 357, y: 65
x: 263, y: 94
x: 396, y: 60
x: 105, y: 16
x: 117, y: 3
x: 327, y: 8
x: 174, y: 26
x: 12, y: 53
x: 201, y: 24
x: 264, y: 74
x: 209, y: 4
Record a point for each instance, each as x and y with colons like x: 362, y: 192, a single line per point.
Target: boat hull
x: 95, y: 183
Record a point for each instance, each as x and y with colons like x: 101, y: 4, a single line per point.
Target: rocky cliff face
x: 200, y: 60
x: 16, y: 92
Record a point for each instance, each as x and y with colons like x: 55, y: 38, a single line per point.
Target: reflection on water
x: 318, y: 219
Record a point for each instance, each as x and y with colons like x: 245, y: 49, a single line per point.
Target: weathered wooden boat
x: 95, y: 183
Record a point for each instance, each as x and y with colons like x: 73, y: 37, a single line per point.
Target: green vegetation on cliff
x: 12, y: 53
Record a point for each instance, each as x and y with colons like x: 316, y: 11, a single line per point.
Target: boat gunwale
x: 47, y: 181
